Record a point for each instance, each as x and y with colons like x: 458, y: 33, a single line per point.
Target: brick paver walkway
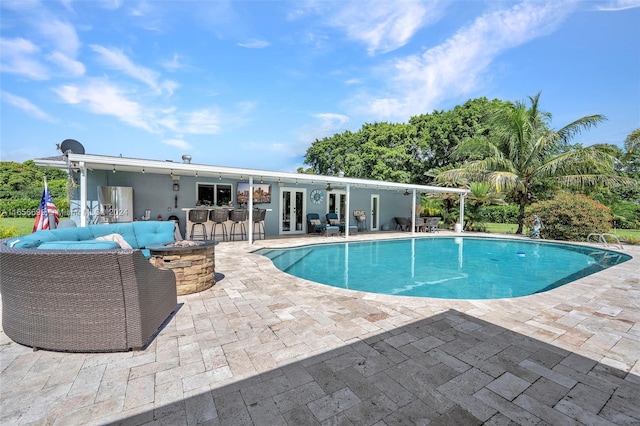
x: 264, y: 348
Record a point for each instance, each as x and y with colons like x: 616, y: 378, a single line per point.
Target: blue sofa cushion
x: 153, y: 232
x: 69, y: 234
x: 23, y: 242
x: 137, y: 234
x: 79, y: 245
x: 124, y: 229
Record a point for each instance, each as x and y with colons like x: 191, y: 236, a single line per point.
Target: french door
x: 292, y: 210
x: 337, y: 203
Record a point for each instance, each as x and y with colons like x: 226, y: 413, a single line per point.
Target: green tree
x: 400, y: 152
x: 631, y: 158
x: 481, y: 196
x: 379, y: 151
x: 441, y: 131
x: 522, y: 154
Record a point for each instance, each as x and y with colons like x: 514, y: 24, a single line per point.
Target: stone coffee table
x: 193, y: 263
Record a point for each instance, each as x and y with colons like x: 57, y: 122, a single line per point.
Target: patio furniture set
x: 80, y: 290
x: 331, y: 227
x: 423, y: 224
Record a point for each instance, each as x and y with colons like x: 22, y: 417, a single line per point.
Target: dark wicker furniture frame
x: 83, y: 300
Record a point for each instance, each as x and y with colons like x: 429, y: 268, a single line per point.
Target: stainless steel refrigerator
x: 116, y: 203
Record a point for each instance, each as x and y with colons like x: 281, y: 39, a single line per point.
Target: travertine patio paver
x: 265, y: 348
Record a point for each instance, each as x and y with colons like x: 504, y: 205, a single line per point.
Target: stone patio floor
x: 264, y: 348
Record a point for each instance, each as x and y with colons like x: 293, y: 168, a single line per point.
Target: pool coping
x: 558, y: 283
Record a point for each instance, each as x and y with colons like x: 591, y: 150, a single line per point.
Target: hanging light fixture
x: 406, y: 192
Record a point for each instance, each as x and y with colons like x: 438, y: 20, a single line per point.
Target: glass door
x: 337, y: 203
x: 292, y: 210
x: 375, y: 213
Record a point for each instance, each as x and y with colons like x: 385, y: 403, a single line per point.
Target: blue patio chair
x: 332, y: 219
x: 314, y: 225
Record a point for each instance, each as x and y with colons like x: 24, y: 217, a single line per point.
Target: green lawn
x: 22, y: 225
x: 506, y: 228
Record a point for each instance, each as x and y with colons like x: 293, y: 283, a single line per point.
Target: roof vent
x: 186, y: 159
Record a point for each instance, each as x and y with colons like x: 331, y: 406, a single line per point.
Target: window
x: 214, y: 194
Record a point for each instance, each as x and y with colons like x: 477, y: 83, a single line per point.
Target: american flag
x: 45, y: 211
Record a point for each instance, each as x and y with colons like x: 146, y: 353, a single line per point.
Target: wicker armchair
x: 83, y: 300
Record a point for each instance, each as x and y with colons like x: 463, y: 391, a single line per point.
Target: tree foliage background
x: 21, y: 186
x: 403, y: 152
x: 445, y: 143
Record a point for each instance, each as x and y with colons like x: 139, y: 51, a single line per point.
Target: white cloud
x: 385, y: 25
x: 60, y: 34
x: 25, y: 105
x: 200, y: 122
x: 173, y: 64
x: 255, y: 44
x: 116, y: 59
x: 106, y: 99
x: 66, y: 44
x: 178, y: 143
x: 614, y: 6
x: 18, y: 58
x: 456, y: 67
x: 73, y: 67
x: 204, y: 122
x: 330, y: 122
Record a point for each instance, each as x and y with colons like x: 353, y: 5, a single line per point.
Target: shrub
x: 500, y: 214
x: 626, y: 215
x: 7, y: 231
x: 24, y: 207
x: 632, y: 240
x: 570, y: 217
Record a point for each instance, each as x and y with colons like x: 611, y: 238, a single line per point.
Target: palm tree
x: 481, y: 196
x: 522, y: 154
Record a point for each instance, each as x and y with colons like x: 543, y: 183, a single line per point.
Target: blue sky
x: 254, y: 83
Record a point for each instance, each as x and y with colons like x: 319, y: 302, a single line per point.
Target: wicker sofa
x: 85, y: 298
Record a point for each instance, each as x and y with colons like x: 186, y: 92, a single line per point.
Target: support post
x: 250, y: 207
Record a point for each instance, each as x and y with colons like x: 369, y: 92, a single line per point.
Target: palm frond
x: 588, y: 160
x: 505, y: 181
x: 567, y: 132
x: 585, y: 181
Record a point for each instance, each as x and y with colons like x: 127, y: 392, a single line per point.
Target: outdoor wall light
x: 176, y: 184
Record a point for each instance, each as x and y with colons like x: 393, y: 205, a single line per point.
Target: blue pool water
x: 453, y: 268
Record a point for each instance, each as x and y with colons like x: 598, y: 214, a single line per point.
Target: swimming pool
x: 452, y: 268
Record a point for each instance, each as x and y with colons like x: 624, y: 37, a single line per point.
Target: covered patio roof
x: 84, y: 162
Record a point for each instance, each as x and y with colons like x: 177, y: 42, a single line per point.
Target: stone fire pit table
x: 193, y: 263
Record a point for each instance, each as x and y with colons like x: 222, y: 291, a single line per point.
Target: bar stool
x: 219, y: 217
x: 258, y: 220
x: 238, y: 217
x: 198, y: 217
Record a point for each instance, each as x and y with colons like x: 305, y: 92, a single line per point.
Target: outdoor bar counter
x: 209, y: 225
